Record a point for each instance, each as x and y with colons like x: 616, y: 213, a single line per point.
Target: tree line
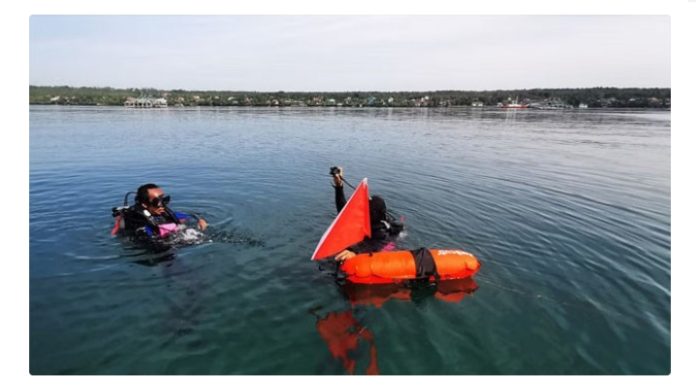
x: 592, y: 97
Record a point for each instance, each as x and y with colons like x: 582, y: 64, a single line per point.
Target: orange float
x: 396, y: 266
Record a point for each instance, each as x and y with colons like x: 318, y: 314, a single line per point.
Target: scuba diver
x: 385, y: 228
x: 150, y: 217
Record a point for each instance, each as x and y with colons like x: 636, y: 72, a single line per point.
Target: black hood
x: 377, y: 210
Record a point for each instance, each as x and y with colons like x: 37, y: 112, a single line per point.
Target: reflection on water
x: 376, y: 295
x: 344, y: 334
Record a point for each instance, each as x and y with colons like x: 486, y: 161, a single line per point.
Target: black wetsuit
x: 384, y: 228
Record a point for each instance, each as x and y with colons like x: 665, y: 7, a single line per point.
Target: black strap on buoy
x: 425, y: 264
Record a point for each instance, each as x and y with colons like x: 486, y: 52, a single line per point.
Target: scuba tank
x: 118, y: 214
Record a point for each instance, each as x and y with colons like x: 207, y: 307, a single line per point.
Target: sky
x: 350, y: 53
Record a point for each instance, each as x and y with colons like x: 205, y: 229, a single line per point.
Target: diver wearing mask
x: 150, y: 217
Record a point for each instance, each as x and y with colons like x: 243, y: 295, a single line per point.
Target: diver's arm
x: 337, y: 184
x: 367, y: 246
x: 184, y: 217
x: 339, y: 197
x: 380, y: 240
x: 370, y: 245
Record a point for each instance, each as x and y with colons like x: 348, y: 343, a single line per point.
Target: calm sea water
x: 568, y: 211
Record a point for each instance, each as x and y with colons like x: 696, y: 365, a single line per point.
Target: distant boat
x: 515, y: 104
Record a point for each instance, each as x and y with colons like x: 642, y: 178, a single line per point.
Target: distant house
x: 145, y: 102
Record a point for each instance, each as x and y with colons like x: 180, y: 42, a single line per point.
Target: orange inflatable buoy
x: 396, y: 266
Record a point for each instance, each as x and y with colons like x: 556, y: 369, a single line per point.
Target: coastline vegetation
x: 571, y: 97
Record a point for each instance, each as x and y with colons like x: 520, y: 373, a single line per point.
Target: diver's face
x: 155, y: 205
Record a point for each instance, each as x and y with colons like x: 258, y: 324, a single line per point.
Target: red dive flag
x: 349, y: 227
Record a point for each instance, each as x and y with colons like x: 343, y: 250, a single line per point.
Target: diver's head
x: 377, y: 209
x: 152, y: 198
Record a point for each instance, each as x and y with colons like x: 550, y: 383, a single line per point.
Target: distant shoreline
x: 561, y: 98
x: 329, y: 108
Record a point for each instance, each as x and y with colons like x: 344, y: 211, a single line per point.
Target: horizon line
x: 343, y: 91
